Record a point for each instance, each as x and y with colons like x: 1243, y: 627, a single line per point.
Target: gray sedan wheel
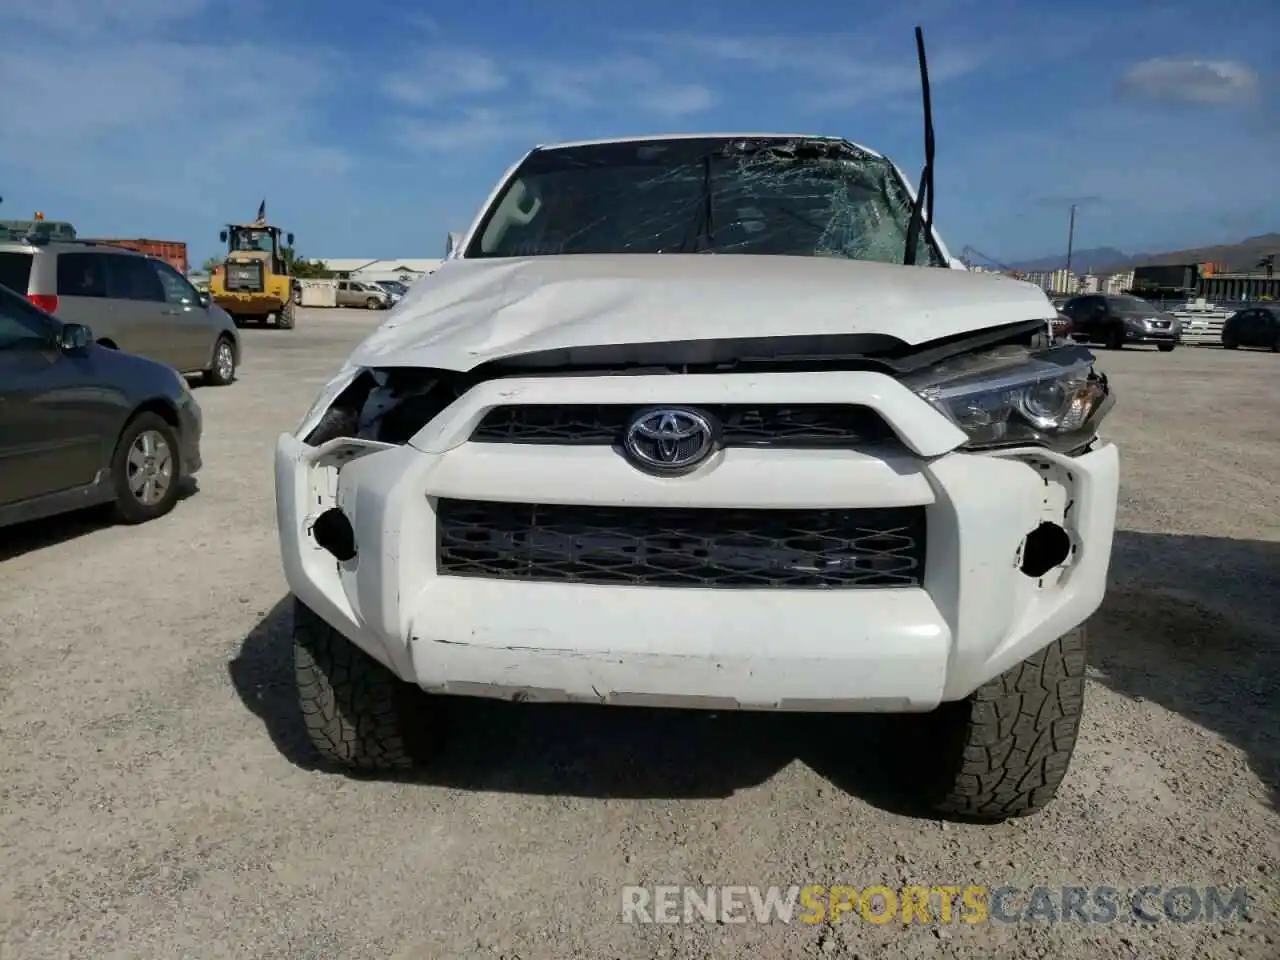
x: 222, y: 368
x: 145, y: 471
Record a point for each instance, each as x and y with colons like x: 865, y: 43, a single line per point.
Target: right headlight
x: 1013, y: 396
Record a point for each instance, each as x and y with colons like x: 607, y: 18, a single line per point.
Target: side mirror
x: 223, y: 236
x: 289, y: 237
x: 74, y: 338
x: 204, y: 298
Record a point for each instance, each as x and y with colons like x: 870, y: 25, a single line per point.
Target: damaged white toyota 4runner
x: 714, y: 422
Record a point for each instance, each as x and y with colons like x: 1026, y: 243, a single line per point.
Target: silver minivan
x: 130, y: 301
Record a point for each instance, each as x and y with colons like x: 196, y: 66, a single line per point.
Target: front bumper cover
x: 867, y: 649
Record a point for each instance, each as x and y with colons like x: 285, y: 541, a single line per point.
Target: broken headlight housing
x: 1015, y: 396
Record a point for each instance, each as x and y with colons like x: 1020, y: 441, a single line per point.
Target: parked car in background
x: 395, y: 290
x: 129, y: 300
x: 1062, y: 326
x: 360, y: 293
x: 1253, y: 327
x: 83, y: 425
x: 1116, y: 320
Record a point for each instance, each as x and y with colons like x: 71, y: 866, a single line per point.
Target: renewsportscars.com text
x: 944, y: 903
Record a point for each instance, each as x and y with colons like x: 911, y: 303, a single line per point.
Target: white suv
x: 688, y: 421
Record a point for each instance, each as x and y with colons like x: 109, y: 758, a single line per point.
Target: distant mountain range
x: 1235, y: 257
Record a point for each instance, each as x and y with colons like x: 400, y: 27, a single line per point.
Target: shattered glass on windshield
x: 765, y: 196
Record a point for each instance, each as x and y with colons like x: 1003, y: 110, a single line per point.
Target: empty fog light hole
x: 1046, y: 547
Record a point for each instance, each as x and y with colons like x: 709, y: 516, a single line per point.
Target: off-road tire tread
x: 1016, y: 734
x: 285, y: 316
x: 358, y: 715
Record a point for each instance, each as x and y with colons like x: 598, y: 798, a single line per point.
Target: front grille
x: 681, y: 547
x: 744, y: 425
x: 244, y: 277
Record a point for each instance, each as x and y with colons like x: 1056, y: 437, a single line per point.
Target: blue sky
x: 372, y: 130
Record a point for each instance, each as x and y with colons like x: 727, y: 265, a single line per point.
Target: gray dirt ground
x: 156, y: 799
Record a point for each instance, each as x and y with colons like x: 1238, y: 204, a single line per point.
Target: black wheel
x: 1165, y: 347
x: 373, y: 303
x: 222, y: 366
x: 1228, y: 344
x: 145, y: 470
x: 357, y: 713
x: 284, y: 317
x: 1115, y: 338
x: 1004, y: 750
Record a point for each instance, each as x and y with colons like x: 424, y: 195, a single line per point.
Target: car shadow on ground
x: 38, y: 534
x: 586, y: 750
x: 1163, y: 645
x: 1190, y: 624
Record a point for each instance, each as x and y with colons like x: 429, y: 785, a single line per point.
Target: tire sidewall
x: 127, y: 508
x: 214, y: 376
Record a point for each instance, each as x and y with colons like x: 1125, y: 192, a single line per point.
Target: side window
x: 343, y: 285
x: 132, y: 278
x: 176, y: 288
x: 21, y: 326
x: 81, y: 275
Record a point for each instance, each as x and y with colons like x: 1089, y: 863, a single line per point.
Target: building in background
x: 372, y: 271
x: 1118, y: 283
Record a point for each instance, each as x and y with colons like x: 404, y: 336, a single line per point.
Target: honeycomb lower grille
x: 675, y: 547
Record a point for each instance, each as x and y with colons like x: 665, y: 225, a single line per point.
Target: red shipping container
x: 173, y: 252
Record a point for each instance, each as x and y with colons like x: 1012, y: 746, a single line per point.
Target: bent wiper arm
x: 926, y: 174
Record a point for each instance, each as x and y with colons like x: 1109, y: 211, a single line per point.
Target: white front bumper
x: 891, y: 649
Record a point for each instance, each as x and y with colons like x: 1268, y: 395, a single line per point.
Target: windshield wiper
x: 925, y: 194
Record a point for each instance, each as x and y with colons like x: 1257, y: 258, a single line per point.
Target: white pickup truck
x: 709, y: 421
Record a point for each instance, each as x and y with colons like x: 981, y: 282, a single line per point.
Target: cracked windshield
x: 778, y: 197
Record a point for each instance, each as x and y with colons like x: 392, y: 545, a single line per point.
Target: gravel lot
x: 157, y: 799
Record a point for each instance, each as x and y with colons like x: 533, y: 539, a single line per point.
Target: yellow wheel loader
x: 253, y: 283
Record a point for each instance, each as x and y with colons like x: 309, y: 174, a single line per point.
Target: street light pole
x: 1071, y: 235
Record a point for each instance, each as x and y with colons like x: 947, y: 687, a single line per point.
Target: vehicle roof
x: 644, y: 138
x: 64, y: 246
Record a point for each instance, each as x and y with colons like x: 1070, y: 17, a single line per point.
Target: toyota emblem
x: 669, y: 440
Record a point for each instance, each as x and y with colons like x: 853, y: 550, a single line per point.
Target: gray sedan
x: 83, y: 425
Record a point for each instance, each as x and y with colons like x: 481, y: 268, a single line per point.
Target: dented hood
x: 473, y: 311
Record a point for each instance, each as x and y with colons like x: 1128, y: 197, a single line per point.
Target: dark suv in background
x: 1116, y: 320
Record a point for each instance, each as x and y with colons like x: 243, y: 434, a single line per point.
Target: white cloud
x: 511, y: 102
x: 472, y: 129
x: 130, y: 101
x: 441, y: 74
x: 1186, y: 80
x: 824, y: 72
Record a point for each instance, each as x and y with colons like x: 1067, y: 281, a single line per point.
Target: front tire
x: 222, y: 368
x: 145, y: 470
x: 1165, y: 347
x: 357, y: 713
x: 1005, y: 749
x: 1115, y: 338
x: 284, y: 317
x: 373, y: 303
